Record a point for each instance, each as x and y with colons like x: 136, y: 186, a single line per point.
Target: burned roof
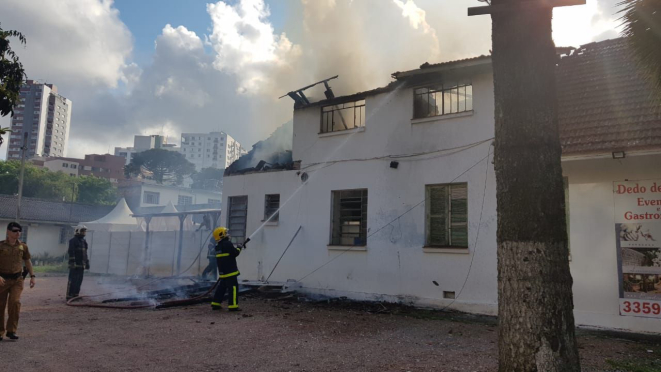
x: 38, y: 210
x: 459, y: 63
x: 605, y: 102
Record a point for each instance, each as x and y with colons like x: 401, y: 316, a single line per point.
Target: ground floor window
x: 447, y: 216
x: 349, y: 217
x: 237, y: 214
x: 184, y: 200
x: 150, y: 197
x: 66, y: 233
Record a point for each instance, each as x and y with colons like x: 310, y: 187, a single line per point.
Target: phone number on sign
x: 640, y: 308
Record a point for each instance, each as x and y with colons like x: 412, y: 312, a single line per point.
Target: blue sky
x: 146, y: 19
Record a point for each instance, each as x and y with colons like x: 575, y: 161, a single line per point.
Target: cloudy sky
x: 167, y: 66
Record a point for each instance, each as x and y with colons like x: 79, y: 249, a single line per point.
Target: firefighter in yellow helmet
x: 226, y: 254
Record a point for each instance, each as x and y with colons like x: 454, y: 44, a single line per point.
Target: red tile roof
x: 605, y: 103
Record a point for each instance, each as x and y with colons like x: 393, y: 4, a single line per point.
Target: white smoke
x: 246, y: 45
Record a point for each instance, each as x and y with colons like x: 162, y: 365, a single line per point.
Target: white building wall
x: 594, y: 264
x: 43, y: 238
x: 210, y: 150
x: 58, y: 165
x: 394, y: 265
x: 169, y: 194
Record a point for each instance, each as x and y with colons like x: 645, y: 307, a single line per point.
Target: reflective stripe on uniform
x: 215, y: 304
x: 222, y: 254
x: 234, y: 297
x: 230, y: 274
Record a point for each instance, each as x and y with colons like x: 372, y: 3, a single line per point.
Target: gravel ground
x: 269, y: 335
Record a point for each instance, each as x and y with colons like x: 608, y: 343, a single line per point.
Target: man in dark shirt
x: 78, y: 262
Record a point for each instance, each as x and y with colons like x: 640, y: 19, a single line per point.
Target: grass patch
x: 635, y: 366
x: 61, y: 268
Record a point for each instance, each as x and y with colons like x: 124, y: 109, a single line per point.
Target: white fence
x: 125, y: 253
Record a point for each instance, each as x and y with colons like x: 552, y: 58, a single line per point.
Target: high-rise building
x: 144, y: 143
x: 210, y: 150
x: 45, y: 116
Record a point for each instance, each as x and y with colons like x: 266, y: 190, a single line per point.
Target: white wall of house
x: 61, y: 165
x: 594, y: 263
x: 394, y: 265
x: 42, y: 238
x: 169, y: 194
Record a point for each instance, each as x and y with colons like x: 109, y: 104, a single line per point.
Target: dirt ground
x: 270, y: 335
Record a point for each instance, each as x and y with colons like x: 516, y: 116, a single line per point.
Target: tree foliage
x: 160, y: 165
x: 11, y: 75
x: 642, y: 25
x: 208, y: 179
x: 44, y: 184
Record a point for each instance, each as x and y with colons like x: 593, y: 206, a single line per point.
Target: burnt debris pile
x: 273, y: 153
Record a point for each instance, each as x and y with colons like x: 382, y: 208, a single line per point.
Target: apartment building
x: 210, y: 150
x: 46, y: 118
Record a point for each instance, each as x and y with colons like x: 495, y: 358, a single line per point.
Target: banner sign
x: 638, y: 229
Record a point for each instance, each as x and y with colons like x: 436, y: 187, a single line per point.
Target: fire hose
x: 141, y: 304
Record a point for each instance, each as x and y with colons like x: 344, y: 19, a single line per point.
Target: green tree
x: 642, y: 25
x: 208, y: 179
x: 44, y: 184
x: 161, y: 165
x: 12, y: 75
x: 95, y: 190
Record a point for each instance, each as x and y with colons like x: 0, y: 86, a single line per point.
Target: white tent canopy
x: 169, y: 223
x: 119, y: 219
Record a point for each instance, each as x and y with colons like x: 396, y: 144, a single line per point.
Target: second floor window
x: 443, y: 99
x: 344, y: 116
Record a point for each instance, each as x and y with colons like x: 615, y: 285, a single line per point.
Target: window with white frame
x: 344, y: 116
x: 150, y: 197
x: 271, y: 206
x: 349, y: 217
x: 442, y: 99
x: 237, y: 215
x: 185, y: 200
x: 447, y: 215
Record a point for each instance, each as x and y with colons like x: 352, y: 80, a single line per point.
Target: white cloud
x: 246, y: 45
x: 70, y: 42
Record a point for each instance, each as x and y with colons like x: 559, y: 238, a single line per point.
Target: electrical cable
x: 403, y: 156
x: 477, y: 236
x: 386, y: 225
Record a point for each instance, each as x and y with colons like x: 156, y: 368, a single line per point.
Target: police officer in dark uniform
x: 226, y: 254
x: 78, y: 261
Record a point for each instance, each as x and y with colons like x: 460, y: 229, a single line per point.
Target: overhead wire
x: 401, y: 156
x: 477, y: 235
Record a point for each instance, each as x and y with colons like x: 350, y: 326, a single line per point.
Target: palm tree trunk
x: 535, y: 305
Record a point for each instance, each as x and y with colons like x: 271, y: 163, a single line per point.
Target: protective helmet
x: 80, y: 228
x: 220, y: 233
